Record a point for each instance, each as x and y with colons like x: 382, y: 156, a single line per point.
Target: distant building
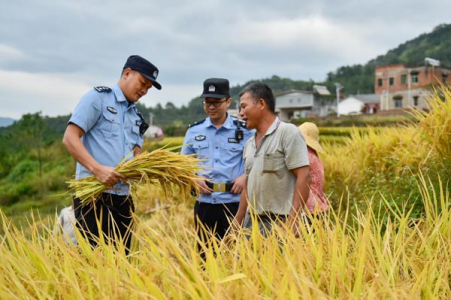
x: 153, y: 132
x: 304, y: 104
x: 357, y: 104
x: 400, y: 86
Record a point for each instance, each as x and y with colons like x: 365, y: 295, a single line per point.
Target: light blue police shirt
x: 111, y: 127
x: 221, y: 152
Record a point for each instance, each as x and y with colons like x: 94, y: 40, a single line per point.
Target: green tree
x: 32, y: 134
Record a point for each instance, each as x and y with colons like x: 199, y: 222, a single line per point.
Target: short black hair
x: 258, y: 91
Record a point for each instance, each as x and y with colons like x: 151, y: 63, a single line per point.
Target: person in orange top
x: 317, y: 203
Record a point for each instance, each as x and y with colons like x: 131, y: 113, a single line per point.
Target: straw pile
x: 173, y: 172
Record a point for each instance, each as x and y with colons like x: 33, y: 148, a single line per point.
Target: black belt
x: 272, y: 216
x: 220, y: 186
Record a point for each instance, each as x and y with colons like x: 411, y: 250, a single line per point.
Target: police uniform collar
x: 118, y: 93
x: 228, y: 123
x: 208, y: 122
x: 273, y: 126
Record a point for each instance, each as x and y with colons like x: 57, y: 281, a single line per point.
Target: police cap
x: 216, y: 88
x: 143, y: 66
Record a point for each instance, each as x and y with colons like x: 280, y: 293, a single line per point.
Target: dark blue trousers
x: 114, y: 214
x: 213, y: 220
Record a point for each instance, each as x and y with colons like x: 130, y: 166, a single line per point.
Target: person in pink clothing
x: 317, y: 203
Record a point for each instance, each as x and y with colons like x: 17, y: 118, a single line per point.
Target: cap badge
x: 211, y: 88
x: 155, y: 74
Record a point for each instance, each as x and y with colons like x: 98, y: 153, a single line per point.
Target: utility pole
x: 338, y: 88
x: 151, y: 115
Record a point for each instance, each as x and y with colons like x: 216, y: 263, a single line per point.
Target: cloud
x: 178, y: 94
x: 8, y: 53
x: 53, y: 94
x: 52, y: 52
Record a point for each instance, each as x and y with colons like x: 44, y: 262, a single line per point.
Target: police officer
x: 104, y: 128
x: 218, y: 141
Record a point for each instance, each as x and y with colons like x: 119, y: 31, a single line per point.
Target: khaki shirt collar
x: 273, y: 126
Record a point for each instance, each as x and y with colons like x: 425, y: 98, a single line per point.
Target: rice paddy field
x: 387, y: 235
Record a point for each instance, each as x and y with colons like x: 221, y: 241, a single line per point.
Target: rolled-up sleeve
x: 187, y: 144
x: 87, y: 112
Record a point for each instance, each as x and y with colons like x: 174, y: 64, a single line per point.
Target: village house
x: 359, y: 104
x: 305, y: 104
x: 400, y: 86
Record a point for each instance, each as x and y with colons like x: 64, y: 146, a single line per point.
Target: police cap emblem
x: 143, y: 66
x: 216, y: 88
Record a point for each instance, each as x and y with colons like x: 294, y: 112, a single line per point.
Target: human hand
x: 238, y: 184
x: 293, y: 226
x: 108, y: 176
x: 204, y: 189
x: 235, y: 226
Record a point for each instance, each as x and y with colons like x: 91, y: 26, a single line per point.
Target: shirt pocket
x: 110, y: 125
x: 272, y: 162
x: 202, y: 150
x: 232, y: 151
x: 135, y: 135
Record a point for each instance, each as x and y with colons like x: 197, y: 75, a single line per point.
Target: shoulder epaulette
x: 196, y: 123
x: 242, y: 123
x: 102, y: 89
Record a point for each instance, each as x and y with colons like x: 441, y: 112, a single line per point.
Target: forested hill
x: 355, y: 79
x: 360, y: 78
x: 4, y: 122
x: 194, y: 110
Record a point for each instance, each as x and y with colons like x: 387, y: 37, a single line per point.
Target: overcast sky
x: 52, y: 52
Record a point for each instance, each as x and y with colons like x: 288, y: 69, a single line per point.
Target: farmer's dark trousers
x: 213, y: 219
x: 114, y: 215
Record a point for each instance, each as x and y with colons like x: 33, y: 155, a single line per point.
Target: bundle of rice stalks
x: 173, y: 172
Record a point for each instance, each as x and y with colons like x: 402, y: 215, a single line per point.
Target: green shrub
x: 23, y: 171
x: 11, y: 193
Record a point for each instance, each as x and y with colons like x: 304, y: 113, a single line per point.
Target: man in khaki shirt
x: 276, y: 163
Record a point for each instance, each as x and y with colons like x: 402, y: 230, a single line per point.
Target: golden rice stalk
x: 435, y: 125
x: 173, y: 172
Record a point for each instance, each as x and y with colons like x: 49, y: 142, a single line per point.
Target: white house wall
x: 350, y: 105
x: 294, y: 100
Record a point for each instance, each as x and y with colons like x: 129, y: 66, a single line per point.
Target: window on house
x: 444, y: 77
x: 415, y: 101
x: 379, y: 82
x: 392, y: 81
x: 398, y: 102
x: 403, y: 79
x: 414, y: 77
x: 291, y: 100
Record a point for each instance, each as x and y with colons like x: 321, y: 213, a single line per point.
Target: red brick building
x: 400, y: 86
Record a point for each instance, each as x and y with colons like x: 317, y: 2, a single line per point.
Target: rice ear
x: 174, y: 172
